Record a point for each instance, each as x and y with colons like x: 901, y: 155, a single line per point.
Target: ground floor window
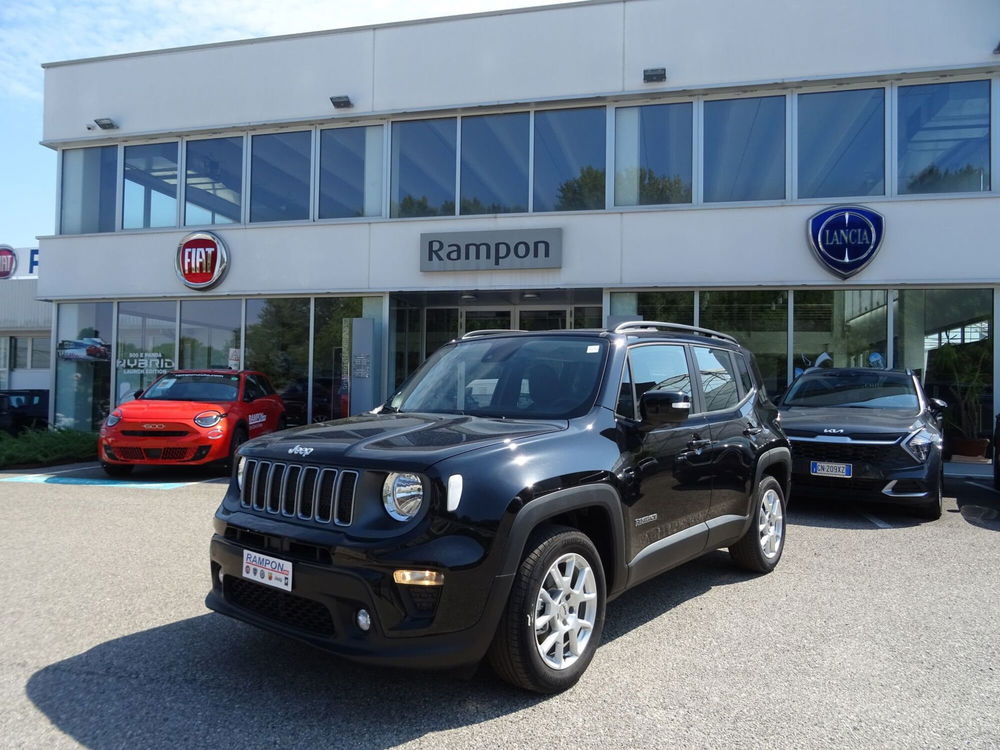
x: 83, y: 365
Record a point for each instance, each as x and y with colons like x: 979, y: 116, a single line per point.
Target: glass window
x: 210, y: 334
x: 83, y: 365
x: 495, y: 164
x: 653, y: 147
x: 944, y: 137
x: 350, y: 172
x: 279, y: 176
x: 41, y: 347
x: 759, y: 320
x: 745, y: 149
x: 442, y: 327
x: 21, y: 352
x: 835, y: 328
x: 666, y: 307
x: 89, y: 183
x: 150, y: 194
x: 213, y: 186
x: 946, y: 336
x: 718, y: 379
x: 331, y: 384
x: 659, y: 367
x: 423, y: 168
x: 741, y: 365
x: 626, y: 397
x: 588, y: 316
x: 842, y: 143
x: 277, y: 344
x: 145, y: 349
x: 569, y: 159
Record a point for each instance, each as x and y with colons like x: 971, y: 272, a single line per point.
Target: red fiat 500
x: 190, y: 417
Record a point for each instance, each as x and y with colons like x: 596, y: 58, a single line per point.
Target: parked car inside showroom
x: 865, y: 434
x: 189, y: 417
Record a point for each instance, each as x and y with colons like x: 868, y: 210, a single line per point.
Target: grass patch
x: 45, y: 447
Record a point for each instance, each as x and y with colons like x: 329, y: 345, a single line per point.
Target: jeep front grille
x: 310, y: 493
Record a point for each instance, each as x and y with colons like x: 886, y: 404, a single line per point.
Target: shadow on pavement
x: 835, y: 512
x: 979, y: 504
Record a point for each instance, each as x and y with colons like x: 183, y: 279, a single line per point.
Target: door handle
x: 751, y: 430
x: 697, y: 445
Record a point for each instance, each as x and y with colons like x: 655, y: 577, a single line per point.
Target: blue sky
x: 36, y: 31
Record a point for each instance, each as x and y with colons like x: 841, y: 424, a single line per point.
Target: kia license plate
x: 826, y: 469
x: 267, y: 570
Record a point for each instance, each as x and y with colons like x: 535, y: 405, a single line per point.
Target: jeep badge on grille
x: 298, y: 450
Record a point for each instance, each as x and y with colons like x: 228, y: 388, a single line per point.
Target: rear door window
x: 718, y: 378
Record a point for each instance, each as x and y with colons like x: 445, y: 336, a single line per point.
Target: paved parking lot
x: 875, y: 631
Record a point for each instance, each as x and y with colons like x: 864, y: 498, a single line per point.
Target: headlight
x: 402, y: 495
x: 919, y: 444
x: 114, y: 418
x: 241, y: 470
x: 208, y: 419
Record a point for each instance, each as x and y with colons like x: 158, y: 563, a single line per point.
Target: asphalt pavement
x: 876, y: 630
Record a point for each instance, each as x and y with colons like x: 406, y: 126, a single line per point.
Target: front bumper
x: 910, y: 485
x: 193, y: 448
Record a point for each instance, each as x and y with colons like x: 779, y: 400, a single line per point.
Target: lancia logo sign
x: 8, y: 261
x: 846, y: 238
x: 201, y: 260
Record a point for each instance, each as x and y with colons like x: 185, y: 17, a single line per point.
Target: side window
x: 253, y: 388
x: 626, y: 401
x: 718, y: 379
x: 741, y: 365
x: 661, y: 367
x: 265, y: 385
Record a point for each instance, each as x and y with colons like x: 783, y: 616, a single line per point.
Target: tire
x: 996, y: 469
x: 931, y: 511
x: 282, y: 424
x: 117, y: 470
x: 760, y: 548
x: 239, y: 437
x: 516, y: 652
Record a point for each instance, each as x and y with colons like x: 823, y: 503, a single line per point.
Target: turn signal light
x: 418, y: 577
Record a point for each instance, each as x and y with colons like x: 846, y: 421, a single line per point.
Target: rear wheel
x: 117, y: 470
x: 555, y: 615
x: 759, y: 549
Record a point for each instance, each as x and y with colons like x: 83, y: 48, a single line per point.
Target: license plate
x: 267, y: 570
x: 824, y: 469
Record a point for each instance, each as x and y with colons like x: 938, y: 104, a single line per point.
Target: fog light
x: 418, y: 577
x: 364, y: 620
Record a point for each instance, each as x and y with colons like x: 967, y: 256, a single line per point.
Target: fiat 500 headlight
x: 208, y: 419
x: 113, y: 418
x: 402, y: 495
x: 919, y: 444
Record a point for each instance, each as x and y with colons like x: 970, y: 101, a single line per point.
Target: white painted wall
x: 592, y: 48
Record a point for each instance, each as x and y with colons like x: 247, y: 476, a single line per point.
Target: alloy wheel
x: 770, y: 524
x: 565, y: 611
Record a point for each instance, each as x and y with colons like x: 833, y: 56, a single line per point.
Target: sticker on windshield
x: 593, y: 349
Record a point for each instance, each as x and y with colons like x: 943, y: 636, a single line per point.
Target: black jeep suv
x: 515, y: 484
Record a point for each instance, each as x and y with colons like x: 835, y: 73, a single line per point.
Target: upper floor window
x: 89, y: 183
x: 653, y: 148
x: 495, y: 163
x: 350, y: 172
x: 280, y: 165
x: 944, y: 137
x: 150, y: 194
x: 423, y: 168
x: 745, y: 149
x: 841, y: 148
x: 213, y: 185
x: 569, y: 159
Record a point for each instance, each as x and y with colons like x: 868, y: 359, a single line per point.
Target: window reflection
x: 279, y: 176
x: 83, y: 365
x: 331, y: 386
x: 495, y: 164
x: 277, y: 344
x: 841, y: 144
x: 423, y: 168
x: 214, y: 181
x: 835, y: 328
x: 350, y: 172
x: 145, y: 348
x: 569, y: 159
x: 745, y: 149
x: 653, y: 154
x: 210, y: 334
x: 150, y: 192
x: 89, y: 179
x: 944, y: 137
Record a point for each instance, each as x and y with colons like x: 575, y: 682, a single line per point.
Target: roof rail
x: 490, y: 332
x: 655, y: 325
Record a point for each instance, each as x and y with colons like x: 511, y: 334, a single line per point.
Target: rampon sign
x: 846, y: 238
x: 500, y: 250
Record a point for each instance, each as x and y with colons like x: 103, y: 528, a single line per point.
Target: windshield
x: 516, y: 377
x: 872, y: 389
x: 197, y: 386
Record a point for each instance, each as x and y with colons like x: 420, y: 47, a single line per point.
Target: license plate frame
x: 831, y: 469
x: 267, y: 570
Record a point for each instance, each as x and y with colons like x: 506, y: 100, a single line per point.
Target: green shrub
x: 47, y: 447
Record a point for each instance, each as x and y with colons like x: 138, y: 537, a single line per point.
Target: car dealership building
x: 331, y: 207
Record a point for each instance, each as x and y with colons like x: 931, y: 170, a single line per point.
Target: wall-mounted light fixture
x: 341, y: 102
x: 529, y: 295
x: 468, y: 297
x: 654, y: 75
x: 105, y: 123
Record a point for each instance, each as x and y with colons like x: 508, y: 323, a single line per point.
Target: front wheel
x: 759, y: 549
x: 931, y: 510
x: 239, y: 437
x: 555, y: 615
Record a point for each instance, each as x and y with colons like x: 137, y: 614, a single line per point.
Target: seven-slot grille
x: 295, y: 490
x: 846, y: 452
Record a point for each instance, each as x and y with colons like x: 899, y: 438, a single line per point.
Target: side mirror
x: 658, y: 408
x: 937, y: 405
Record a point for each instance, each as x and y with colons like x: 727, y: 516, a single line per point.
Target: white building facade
x: 25, y: 322
x: 381, y: 190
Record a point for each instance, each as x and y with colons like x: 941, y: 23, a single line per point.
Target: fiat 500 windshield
x: 872, y: 390
x: 194, y: 387
x: 518, y: 377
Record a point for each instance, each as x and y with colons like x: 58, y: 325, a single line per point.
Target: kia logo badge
x: 8, y: 261
x: 202, y: 260
x: 846, y: 238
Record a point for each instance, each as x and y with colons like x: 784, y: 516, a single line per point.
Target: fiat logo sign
x: 202, y: 260
x: 8, y: 261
